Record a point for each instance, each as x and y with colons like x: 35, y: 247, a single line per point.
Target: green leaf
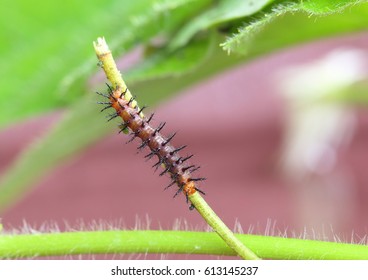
x: 215, y: 61
x: 326, y: 6
x: 226, y: 10
x: 46, y: 47
x: 70, y: 135
x: 169, y: 64
x: 282, y: 25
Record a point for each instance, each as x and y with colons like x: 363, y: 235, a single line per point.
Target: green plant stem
x: 108, y: 64
x: 171, y: 242
x: 220, y: 228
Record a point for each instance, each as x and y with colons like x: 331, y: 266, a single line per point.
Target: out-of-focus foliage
x: 46, y: 46
x: 295, y: 22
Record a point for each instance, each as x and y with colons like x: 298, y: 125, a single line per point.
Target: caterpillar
x: 160, y: 146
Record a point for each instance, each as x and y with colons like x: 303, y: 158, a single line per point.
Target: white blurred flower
x: 316, y: 130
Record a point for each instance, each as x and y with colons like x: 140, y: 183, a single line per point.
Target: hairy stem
x: 174, y: 242
x: 108, y: 64
x: 220, y: 228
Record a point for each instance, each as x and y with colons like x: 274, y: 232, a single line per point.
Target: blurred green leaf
x: 46, y: 46
x: 224, y: 11
x: 214, y: 61
x: 294, y: 22
x: 326, y: 6
x: 139, y: 21
x: 169, y: 64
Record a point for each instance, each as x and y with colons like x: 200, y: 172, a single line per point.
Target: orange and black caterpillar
x: 168, y: 156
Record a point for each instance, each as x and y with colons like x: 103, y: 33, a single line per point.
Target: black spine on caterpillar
x: 168, y: 156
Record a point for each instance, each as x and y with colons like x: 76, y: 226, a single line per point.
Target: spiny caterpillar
x: 168, y: 156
